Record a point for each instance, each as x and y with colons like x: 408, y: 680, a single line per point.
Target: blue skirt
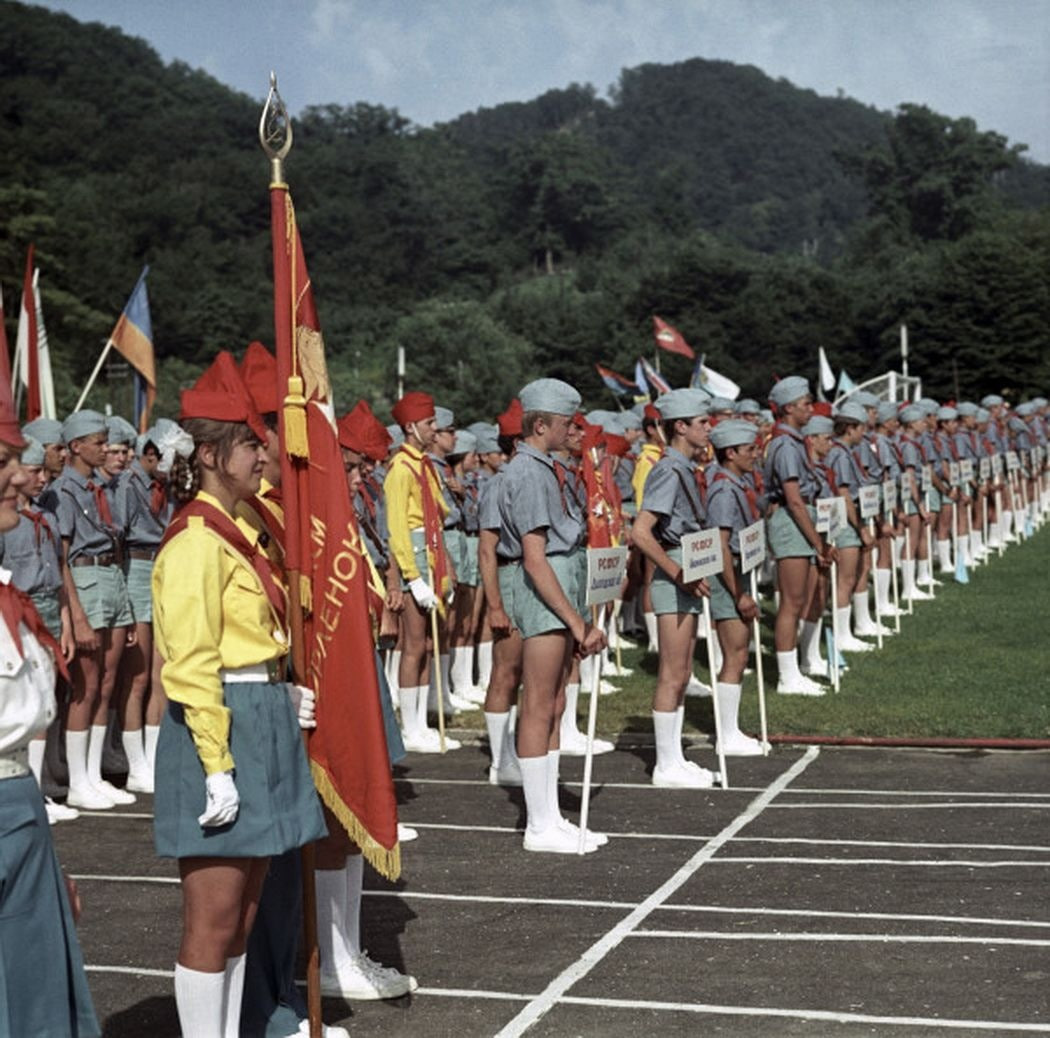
x: 279, y: 806
x: 43, y: 990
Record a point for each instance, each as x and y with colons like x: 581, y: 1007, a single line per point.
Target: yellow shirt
x: 209, y: 612
x: 648, y: 456
x: 404, y: 505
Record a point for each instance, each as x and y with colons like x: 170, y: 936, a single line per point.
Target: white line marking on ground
x: 903, y: 917
x: 484, y: 899
x: 513, y: 830
x: 859, y: 938
x: 803, y: 1014
x: 1017, y: 805
x: 140, y: 815
x: 542, y: 1004
x: 917, y: 862
x: 502, y: 996
x: 132, y: 971
x: 83, y: 877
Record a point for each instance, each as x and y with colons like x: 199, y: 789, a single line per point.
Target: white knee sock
x: 200, y: 999
x: 457, y: 661
x: 809, y: 643
x: 668, y: 743
x: 332, y: 906
x: 35, y: 753
x: 569, y: 729
x: 135, y: 751
x: 944, y: 554
x: 787, y: 667
x: 484, y: 664
x: 728, y: 710
x: 861, y: 614
x: 652, y: 630
x: 679, y: 727
x: 96, y: 745
x: 510, y: 738
x: 150, y: 735
x: 76, y: 758
x: 908, y: 576
x: 354, y: 875
x: 496, y: 726
x: 882, y: 588
x: 553, y: 805
x: 410, y: 697
x: 233, y: 992
x: 534, y: 786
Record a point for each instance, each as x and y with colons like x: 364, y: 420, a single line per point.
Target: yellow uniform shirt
x: 404, y: 505
x: 648, y: 456
x: 209, y: 612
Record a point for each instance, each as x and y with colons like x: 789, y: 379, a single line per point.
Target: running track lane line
x: 544, y: 1002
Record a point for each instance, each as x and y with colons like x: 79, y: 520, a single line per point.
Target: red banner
x: 325, y: 556
x: 670, y: 339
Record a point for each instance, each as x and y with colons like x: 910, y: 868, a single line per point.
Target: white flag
x: 827, y: 376
x: 718, y: 385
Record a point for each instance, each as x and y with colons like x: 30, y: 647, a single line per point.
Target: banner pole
x: 713, y: 676
x: 94, y: 374
x: 756, y: 630
x: 592, y: 721
x: 435, y: 662
x: 833, y: 663
x: 875, y: 579
x: 895, y: 551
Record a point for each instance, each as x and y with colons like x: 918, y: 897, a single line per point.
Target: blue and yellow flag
x: 133, y: 339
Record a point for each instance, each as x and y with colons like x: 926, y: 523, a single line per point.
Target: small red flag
x: 29, y: 342
x: 670, y: 339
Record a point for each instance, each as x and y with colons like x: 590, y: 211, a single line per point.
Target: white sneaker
x: 327, y: 1031
x: 59, y: 812
x: 475, y: 695
x: 363, y: 980
x: 605, y: 688
x: 816, y: 669
x: 696, y: 687
x: 507, y: 774
x: 800, y: 686
x: 460, y: 703
x: 555, y: 840
x: 89, y: 798
x: 872, y: 630
x: 598, y: 839
x: 682, y: 776
x: 118, y: 796
x: 428, y: 741
x: 847, y: 643
x: 740, y: 745
x: 139, y: 783
x: 406, y: 834
x: 576, y: 745
x: 917, y: 595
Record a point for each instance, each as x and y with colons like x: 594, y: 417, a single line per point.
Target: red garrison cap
x: 651, y: 412
x: 593, y: 436
x: 822, y: 407
x: 220, y: 394
x: 361, y: 431
x: 617, y: 445
x: 259, y: 371
x: 413, y: 407
x: 579, y: 421
x: 510, y: 421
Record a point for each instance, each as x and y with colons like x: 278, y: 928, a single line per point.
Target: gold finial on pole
x: 275, y: 131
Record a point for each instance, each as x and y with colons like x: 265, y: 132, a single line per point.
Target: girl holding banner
x: 673, y: 507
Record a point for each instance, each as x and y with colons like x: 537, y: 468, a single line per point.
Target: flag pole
x: 94, y: 374
x: 275, y: 137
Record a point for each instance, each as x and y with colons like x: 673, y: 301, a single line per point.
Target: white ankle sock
x: 534, y: 786
x: 569, y: 727
x: 496, y: 726
x: 668, y: 743
x: 135, y: 751
x: 96, y: 745
x: 200, y: 999
x: 233, y: 992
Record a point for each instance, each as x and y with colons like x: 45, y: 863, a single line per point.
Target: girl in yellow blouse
x: 232, y: 782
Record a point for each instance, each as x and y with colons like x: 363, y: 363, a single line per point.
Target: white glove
x: 304, y: 702
x: 423, y: 593
x: 223, y: 800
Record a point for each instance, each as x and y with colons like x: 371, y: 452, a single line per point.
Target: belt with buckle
x: 501, y: 561
x: 269, y: 672
x: 94, y: 560
x: 11, y: 768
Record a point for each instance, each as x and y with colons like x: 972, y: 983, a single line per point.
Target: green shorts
x: 47, y: 606
x: 529, y: 613
x: 786, y: 540
x: 454, y: 549
x: 103, y: 596
x: 936, y: 501
x: 467, y: 568
x: 847, y: 538
x: 419, y: 549
x: 668, y: 597
x: 507, y: 575
x: 138, y: 577
x: 723, y: 606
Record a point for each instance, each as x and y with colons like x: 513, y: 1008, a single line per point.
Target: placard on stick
x: 606, y: 568
x: 831, y: 516
x: 752, y: 546
x: 889, y: 497
x: 870, y: 500
x: 701, y: 555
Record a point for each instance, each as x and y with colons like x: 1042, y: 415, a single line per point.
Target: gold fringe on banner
x: 296, y: 443
x: 306, y: 593
x: 386, y: 862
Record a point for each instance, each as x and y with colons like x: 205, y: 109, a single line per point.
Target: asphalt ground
x: 838, y: 892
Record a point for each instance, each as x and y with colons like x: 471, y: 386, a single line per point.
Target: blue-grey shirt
x: 454, y: 519
x: 79, y: 522
x: 846, y: 468
x: 866, y: 454
x: 888, y: 461
x: 32, y: 551
x: 132, y: 498
x: 531, y: 497
x: 788, y: 459
x: 672, y: 495
x: 727, y: 504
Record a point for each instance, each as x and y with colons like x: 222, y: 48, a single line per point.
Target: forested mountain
x: 761, y: 219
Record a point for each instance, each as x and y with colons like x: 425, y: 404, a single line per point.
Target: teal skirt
x: 786, y: 540
x: 668, y: 597
x: 43, y: 990
x: 279, y: 806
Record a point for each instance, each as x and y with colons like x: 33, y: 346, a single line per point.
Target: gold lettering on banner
x: 344, y: 567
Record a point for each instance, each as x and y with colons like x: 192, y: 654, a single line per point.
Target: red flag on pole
x: 5, y: 354
x: 334, y: 652
x: 28, y: 345
x: 670, y: 339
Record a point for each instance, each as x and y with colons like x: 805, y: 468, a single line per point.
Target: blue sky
x: 432, y: 60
